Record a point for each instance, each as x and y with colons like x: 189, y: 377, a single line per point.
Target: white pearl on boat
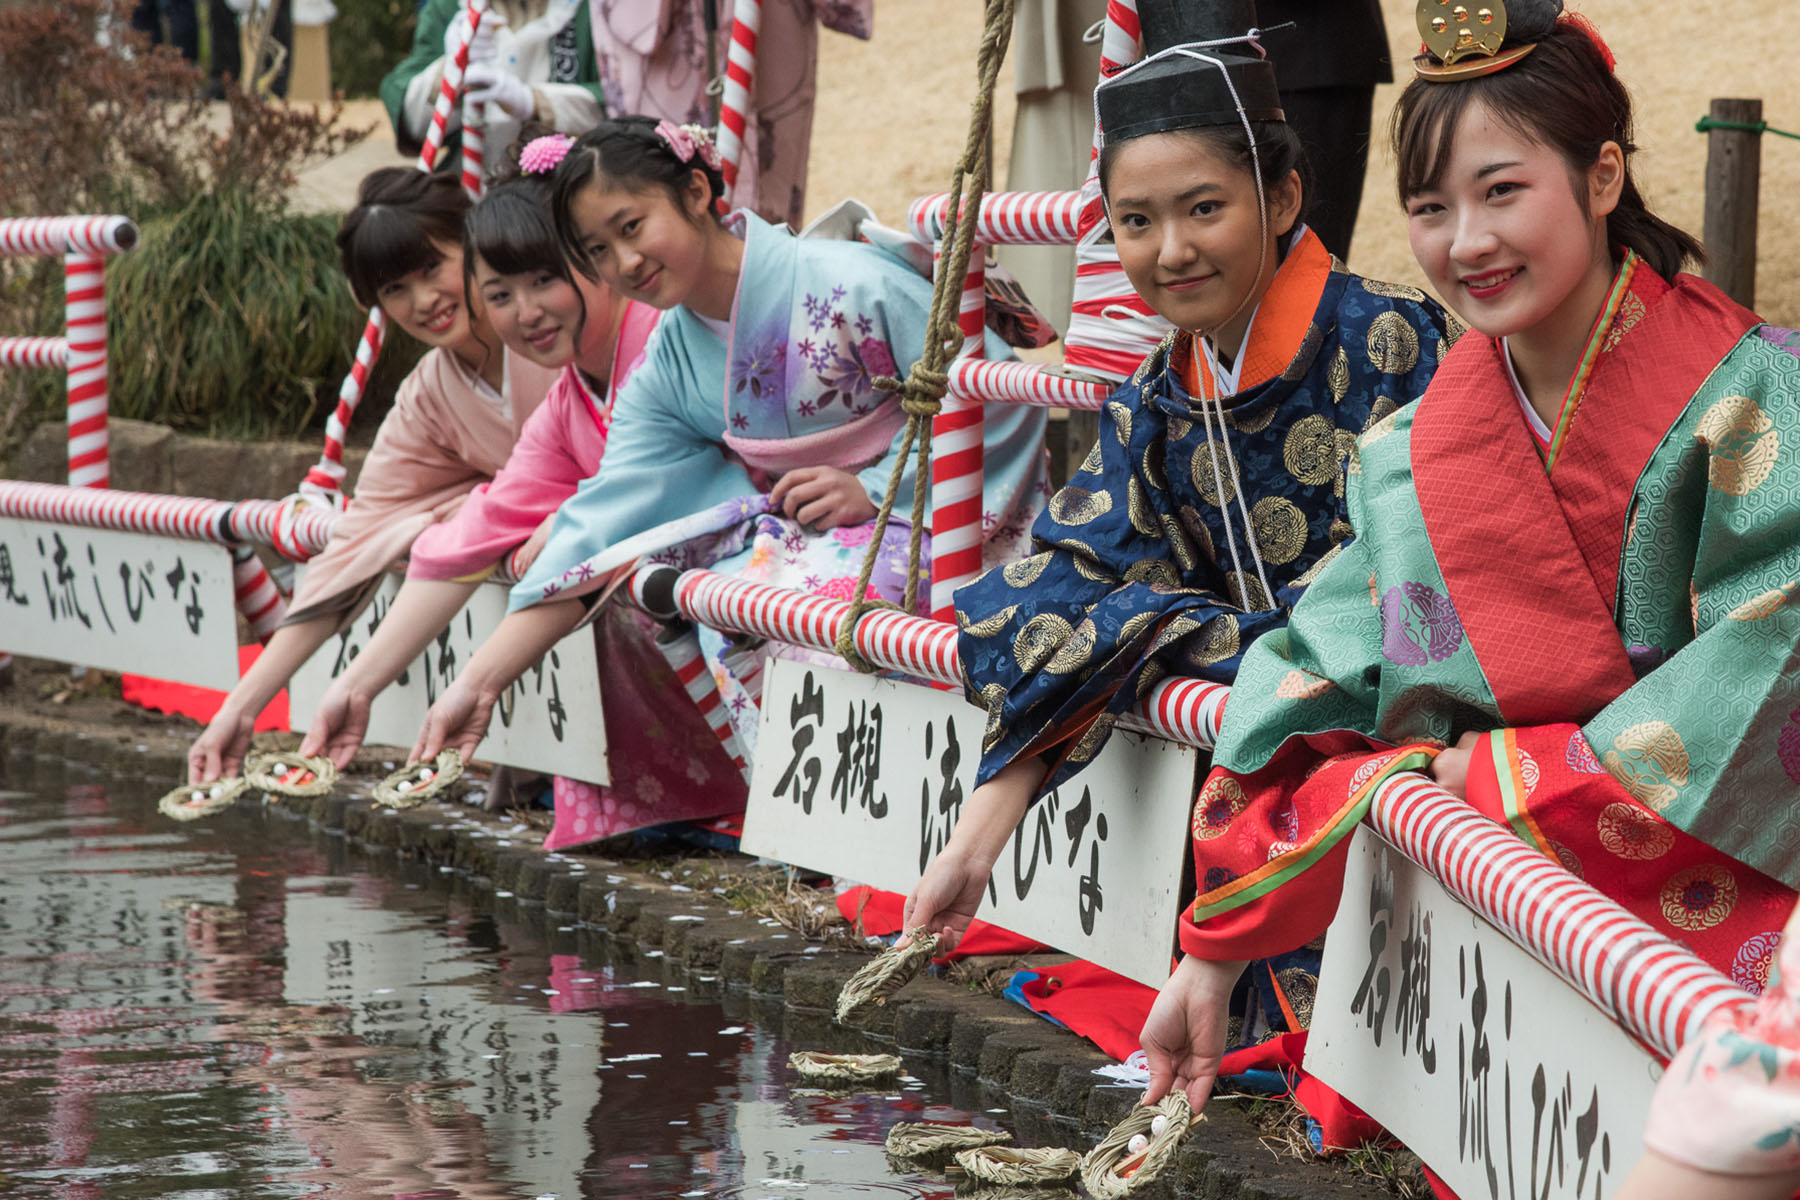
x: 218, y: 789
x: 405, y: 785
x: 197, y: 798
x: 1159, y: 1124
x: 1138, y: 1144
x: 281, y: 769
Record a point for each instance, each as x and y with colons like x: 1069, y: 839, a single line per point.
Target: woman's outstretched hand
x: 219, y: 750
x: 822, y: 497
x: 459, y: 719
x: 1184, y: 1035
x: 339, y: 724
x: 945, y: 898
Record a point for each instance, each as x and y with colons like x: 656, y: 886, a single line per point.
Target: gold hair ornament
x: 1463, y: 40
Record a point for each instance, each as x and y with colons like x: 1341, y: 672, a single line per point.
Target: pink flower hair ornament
x: 540, y: 155
x: 685, y: 141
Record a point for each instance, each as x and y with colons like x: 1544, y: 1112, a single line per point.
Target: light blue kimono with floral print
x: 704, y: 428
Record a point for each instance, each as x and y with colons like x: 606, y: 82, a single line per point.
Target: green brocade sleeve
x: 1320, y: 673
x: 1709, y: 737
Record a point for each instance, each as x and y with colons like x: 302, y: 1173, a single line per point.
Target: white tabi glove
x: 485, y: 83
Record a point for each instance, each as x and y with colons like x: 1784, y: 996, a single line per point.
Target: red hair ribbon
x: 1593, y: 35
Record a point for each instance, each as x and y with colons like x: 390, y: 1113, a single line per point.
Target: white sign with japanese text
x: 865, y: 777
x: 1502, y: 1077
x: 549, y: 720
x: 135, y: 602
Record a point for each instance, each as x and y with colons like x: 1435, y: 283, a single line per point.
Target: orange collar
x: 1279, y: 328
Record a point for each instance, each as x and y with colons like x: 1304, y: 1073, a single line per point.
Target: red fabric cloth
x: 1101, y: 1005
x: 1575, y: 812
x: 200, y: 703
x: 879, y: 913
x: 1320, y: 784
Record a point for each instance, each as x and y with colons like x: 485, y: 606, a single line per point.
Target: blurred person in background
x: 529, y: 60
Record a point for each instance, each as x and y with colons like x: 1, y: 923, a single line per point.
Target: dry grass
x: 1281, y: 1126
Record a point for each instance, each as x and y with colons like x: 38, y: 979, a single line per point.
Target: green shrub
x: 367, y: 39
x: 232, y: 316
x: 234, y: 321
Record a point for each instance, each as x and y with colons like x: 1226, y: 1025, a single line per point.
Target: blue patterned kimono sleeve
x: 1056, y: 647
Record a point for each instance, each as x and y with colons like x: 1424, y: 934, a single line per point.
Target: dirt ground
x: 892, y: 114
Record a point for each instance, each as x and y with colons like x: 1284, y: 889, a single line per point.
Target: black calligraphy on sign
x: 1372, y: 993
x: 1474, y: 1073
x: 806, y: 716
x: 1034, y: 844
x: 859, y: 761
x: 1412, y: 1010
x: 62, y: 596
x: 9, y: 581
x: 938, y: 816
x: 1570, y: 1150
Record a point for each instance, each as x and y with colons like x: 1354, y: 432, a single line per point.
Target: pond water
x: 242, y: 1007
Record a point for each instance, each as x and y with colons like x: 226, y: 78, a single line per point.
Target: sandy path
x: 893, y: 112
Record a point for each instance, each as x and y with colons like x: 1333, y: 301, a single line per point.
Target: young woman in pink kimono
x: 669, y: 765
x: 754, y: 440
x: 452, y: 425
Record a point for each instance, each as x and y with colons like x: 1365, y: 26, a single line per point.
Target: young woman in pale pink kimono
x: 1725, y: 1120
x: 652, y: 58
x: 667, y: 764
x: 452, y: 425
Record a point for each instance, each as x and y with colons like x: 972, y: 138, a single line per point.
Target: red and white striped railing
x: 1006, y: 219
x: 740, y: 79
x: 84, y: 243
x: 1182, y: 710
x: 193, y: 518
x: 1655, y: 989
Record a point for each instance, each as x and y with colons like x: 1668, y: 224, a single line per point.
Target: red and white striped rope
x: 1007, y: 218
x: 680, y: 647
x: 34, y: 352
x: 324, y: 483
x: 740, y: 79
x: 95, y: 236
x: 1655, y: 989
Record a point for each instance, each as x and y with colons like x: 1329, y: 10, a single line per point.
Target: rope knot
x: 921, y: 392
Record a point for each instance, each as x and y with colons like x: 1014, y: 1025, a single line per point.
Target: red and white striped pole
x: 324, y: 483
x: 84, y: 290
x: 740, y: 79
x: 957, y: 520
x: 474, y: 148
x: 257, y: 596
x: 1099, y: 342
x: 680, y: 647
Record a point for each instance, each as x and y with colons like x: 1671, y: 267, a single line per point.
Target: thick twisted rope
x: 922, y: 391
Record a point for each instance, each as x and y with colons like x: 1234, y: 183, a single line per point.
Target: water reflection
x: 240, y: 1009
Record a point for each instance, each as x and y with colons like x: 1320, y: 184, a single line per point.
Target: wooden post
x: 1733, y: 181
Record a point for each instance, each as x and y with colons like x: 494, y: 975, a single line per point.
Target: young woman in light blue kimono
x: 752, y: 439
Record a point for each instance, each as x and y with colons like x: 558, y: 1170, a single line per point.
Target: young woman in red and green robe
x: 1570, y: 597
